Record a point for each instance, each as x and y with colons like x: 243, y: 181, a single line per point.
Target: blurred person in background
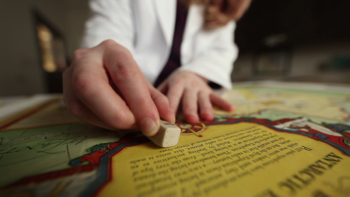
x: 142, y: 59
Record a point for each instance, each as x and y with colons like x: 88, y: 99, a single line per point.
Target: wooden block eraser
x: 168, y: 135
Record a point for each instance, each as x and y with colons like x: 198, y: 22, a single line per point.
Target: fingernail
x: 149, y: 127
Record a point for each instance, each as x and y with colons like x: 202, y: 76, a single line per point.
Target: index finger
x: 91, y: 86
x: 131, y: 82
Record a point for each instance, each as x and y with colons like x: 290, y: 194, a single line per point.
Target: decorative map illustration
x: 282, y: 140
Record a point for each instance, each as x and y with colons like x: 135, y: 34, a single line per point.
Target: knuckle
x: 78, y: 53
x: 204, y: 94
x: 124, y: 53
x: 179, y: 81
x: 144, y: 104
x: 112, y: 45
x: 109, y: 43
x: 81, y: 83
x: 124, y: 71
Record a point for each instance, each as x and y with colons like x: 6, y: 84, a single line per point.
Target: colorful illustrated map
x: 282, y: 139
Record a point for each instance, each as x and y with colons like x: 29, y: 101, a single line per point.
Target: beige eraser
x: 168, y: 135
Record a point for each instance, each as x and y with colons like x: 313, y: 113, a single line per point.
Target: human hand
x: 193, y: 91
x: 105, y: 87
x: 219, y: 12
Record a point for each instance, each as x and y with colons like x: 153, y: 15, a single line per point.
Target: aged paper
x: 282, y: 140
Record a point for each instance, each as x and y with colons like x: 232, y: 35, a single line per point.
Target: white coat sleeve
x: 109, y: 19
x: 216, y: 62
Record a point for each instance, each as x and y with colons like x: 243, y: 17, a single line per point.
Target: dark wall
x: 305, y: 22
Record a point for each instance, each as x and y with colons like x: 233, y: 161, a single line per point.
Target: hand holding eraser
x: 168, y: 135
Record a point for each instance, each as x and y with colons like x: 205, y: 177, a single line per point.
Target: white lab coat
x: 146, y: 28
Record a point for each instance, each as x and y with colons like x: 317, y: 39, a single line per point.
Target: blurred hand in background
x: 219, y: 12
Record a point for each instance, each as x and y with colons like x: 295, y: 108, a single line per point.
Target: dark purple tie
x: 174, y: 60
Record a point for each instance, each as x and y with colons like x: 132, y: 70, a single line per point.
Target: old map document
x: 283, y: 139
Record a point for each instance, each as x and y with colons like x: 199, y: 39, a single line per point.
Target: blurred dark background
x: 294, y: 40
x: 290, y: 40
x: 304, y: 22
